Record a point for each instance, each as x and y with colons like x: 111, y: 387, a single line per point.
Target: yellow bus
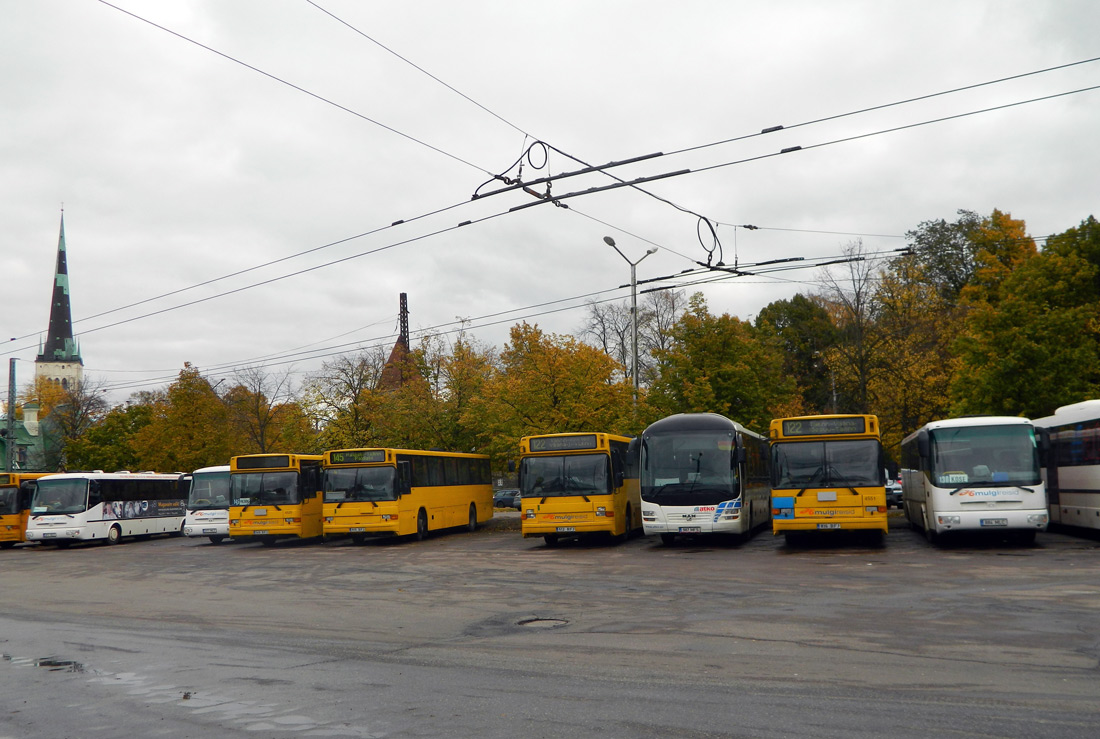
x: 828, y: 474
x: 275, y: 496
x: 404, y: 492
x: 16, y: 490
x: 578, y: 484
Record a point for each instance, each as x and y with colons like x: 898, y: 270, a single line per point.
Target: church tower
x: 59, y: 361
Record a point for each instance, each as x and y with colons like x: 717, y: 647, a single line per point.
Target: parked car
x: 506, y: 499
x: 893, y: 493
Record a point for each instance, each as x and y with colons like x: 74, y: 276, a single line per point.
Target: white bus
x: 97, y: 506
x: 208, y: 504
x: 1073, y: 464
x: 702, y: 473
x: 975, y: 474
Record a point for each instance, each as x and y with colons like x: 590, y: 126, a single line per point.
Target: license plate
x: 566, y: 529
x: 260, y: 533
x: 691, y: 529
x: 994, y: 522
x: 828, y: 526
x: 209, y: 531
x: 49, y: 535
x: 356, y: 529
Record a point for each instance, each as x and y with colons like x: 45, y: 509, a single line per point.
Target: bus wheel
x: 629, y: 523
x: 551, y: 540
x: 667, y: 539
x: 114, y: 534
x: 471, y: 525
x: 421, y: 525
x: 217, y: 539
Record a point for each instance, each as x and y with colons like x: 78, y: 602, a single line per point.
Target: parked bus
x: 828, y: 474
x: 974, y: 474
x: 98, y: 506
x: 574, y: 485
x: 208, y: 504
x: 702, y: 473
x: 1073, y: 464
x: 404, y: 492
x: 16, y: 490
x: 275, y: 496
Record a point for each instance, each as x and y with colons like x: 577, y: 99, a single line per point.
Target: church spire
x: 60, y: 346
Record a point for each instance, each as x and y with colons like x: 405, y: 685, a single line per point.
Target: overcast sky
x: 178, y: 165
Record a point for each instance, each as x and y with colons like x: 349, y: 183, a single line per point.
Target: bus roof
x: 971, y: 422
x: 216, y: 468
x: 696, y: 422
x: 1086, y: 410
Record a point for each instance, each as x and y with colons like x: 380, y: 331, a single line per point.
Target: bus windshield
x: 60, y: 496
x: 571, y: 474
x: 209, y: 491
x: 352, y: 484
x: 697, y: 465
x: 816, y: 464
x: 263, y: 488
x: 984, y: 455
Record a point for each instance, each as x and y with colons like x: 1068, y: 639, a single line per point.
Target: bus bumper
x: 992, y: 520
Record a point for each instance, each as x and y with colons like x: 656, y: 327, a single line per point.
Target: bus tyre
x: 551, y: 540
x: 471, y: 525
x: 114, y: 534
x: 667, y: 539
x: 421, y: 525
x: 217, y: 539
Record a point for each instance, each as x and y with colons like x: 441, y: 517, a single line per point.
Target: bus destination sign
x: 563, y: 443
x: 357, y: 456
x: 262, y: 462
x: 824, y: 426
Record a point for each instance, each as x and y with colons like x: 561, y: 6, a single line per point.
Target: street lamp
x: 633, y: 310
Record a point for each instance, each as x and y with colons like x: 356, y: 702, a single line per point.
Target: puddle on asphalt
x: 542, y: 623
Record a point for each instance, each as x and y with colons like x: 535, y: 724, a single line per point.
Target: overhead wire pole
x: 633, y: 311
x: 9, y: 444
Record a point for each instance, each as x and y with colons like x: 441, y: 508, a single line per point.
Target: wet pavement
x: 488, y: 634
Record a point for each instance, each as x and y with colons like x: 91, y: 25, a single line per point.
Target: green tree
x: 721, y: 364
x: 109, y: 444
x: 805, y: 333
x: 946, y: 253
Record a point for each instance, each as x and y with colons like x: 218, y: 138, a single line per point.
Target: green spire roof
x: 60, y: 346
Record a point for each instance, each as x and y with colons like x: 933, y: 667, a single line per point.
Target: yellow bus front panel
x: 824, y: 510
x: 368, y: 519
x: 573, y: 515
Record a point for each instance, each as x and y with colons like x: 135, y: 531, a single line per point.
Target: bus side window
x: 617, y: 471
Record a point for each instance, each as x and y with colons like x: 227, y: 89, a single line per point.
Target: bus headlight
x: 1036, y: 518
x: 530, y: 513
x: 649, y: 513
x: 601, y: 511
x: 235, y: 522
x: 949, y: 520
x: 389, y: 516
x: 328, y: 519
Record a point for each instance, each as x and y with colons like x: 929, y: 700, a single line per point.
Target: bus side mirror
x: 634, y: 449
x: 922, y: 443
x: 511, y: 465
x: 740, y: 456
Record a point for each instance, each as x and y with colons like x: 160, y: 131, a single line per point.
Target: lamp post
x: 633, y: 310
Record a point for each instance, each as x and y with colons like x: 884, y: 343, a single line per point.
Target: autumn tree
x: 1032, y: 338
x: 66, y: 414
x: 262, y: 411
x: 548, y: 383
x: 850, y: 296
x: 721, y: 364
x: 338, y: 400
x: 189, y: 429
